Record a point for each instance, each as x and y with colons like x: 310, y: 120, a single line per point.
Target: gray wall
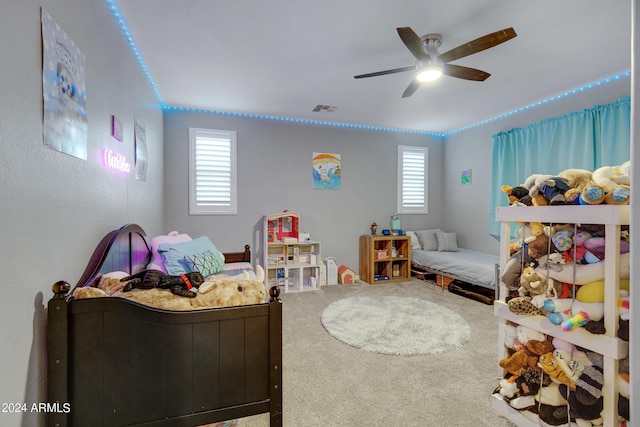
x: 54, y: 208
x: 274, y: 174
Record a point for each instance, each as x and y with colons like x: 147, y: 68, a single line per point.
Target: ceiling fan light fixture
x: 429, y: 73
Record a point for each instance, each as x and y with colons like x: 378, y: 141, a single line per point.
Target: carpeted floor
x: 329, y: 383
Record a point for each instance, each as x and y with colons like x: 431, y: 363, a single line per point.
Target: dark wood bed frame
x: 113, y: 362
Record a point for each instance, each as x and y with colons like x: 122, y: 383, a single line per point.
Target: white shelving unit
x: 289, y: 263
x: 293, y: 266
x: 612, y: 348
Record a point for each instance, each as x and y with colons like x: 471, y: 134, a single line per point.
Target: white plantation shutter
x: 212, y: 172
x: 412, y: 179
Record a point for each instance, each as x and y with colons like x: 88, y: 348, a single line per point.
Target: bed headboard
x: 126, y: 249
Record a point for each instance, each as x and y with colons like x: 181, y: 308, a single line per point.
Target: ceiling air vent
x: 324, y: 108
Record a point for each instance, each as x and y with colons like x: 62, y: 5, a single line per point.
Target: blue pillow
x: 178, y: 257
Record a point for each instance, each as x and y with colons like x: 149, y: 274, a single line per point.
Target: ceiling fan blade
x: 465, y: 72
x: 413, y: 86
x: 413, y: 43
x: 478, y: 45
x: 385, y: 72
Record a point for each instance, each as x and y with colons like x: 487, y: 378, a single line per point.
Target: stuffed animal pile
x: 556, y: 380
x: 608, y: 184
x: 217, y: 291
x: 559, y: 273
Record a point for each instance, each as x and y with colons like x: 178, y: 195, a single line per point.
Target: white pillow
x: 156, y: 262
x: 415, y: 243
x: 427, y: 239
x: 447, y: 242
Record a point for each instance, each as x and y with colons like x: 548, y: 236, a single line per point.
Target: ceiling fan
x: 430, y: 64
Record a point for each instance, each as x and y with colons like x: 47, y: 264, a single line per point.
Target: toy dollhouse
x: 290, y: 261
x: 283, y: 227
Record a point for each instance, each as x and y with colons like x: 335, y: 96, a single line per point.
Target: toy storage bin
x: 381, y: 254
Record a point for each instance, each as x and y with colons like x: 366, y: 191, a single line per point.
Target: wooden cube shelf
x: 380, y: 263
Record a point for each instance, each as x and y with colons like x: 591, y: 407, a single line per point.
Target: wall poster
x: 63, y: 91
x: 465, y: 177
x: 140, y: 140
x: 326, y: 171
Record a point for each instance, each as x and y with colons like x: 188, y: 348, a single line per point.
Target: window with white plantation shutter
x: 212, y: 172
x: 412, y: 180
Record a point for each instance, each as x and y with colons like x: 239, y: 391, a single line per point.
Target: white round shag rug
x: 395, y: 325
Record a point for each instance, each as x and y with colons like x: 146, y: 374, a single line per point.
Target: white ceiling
x: 284, y: 57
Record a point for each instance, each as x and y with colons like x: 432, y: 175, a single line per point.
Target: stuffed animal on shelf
x: 586, y: 401
x: 560, y: 368
x: 537, y: 199
x: 583, y: 189
x: 527, y: 233
x: 577, y: 180
x: 517, y: 196
x: 573, y: 246
x: 526, y: 357
x: 533, y: 284
x: 540, y: 246
x: 563, y: 309
x: 616, y: 181
x: 524, y: 307
x: 554, y: 189
x: 608, y: 184
x: 185, y: 285
x: 579, y: 319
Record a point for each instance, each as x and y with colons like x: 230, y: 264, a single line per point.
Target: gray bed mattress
x: 476, y: 267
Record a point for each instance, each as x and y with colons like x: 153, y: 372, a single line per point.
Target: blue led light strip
x: 543, y: 102
x: 302, y: 121
x: 115, y: 11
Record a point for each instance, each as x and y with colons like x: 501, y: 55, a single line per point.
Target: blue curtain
x: 587, y: 139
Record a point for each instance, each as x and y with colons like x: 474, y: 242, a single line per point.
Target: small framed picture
x: 465, y: 177
x: 116, y: 128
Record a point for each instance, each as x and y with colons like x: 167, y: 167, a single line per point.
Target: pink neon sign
x: 115, y: 161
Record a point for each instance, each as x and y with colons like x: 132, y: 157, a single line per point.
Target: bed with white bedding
x: 437, y: 252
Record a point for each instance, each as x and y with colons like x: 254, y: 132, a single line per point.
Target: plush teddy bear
x: 533, y: 284
x: 540, y: 246
x: 577, y: 180
x: 513, y: 268
x: 526, y: 357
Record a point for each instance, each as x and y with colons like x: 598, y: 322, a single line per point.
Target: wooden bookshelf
x: 380, y: 263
